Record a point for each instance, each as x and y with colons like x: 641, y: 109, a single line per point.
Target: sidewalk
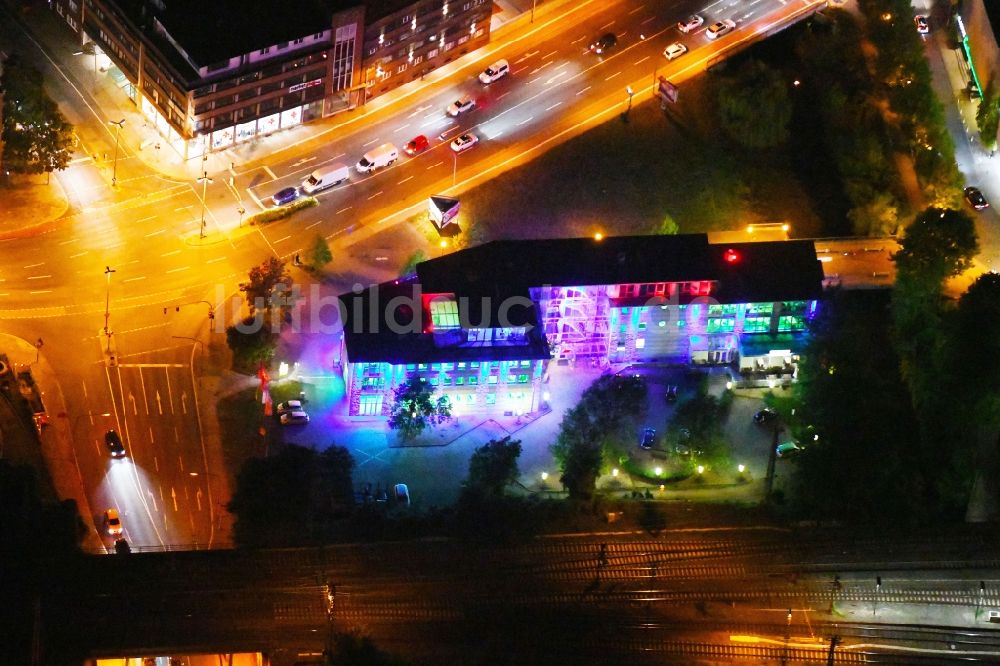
x: 56, y: 439
x: 30, y: 206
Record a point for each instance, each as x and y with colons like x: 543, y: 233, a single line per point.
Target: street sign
x: 667, y: 91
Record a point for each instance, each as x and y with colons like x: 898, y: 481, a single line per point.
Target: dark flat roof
x: 483, y: 278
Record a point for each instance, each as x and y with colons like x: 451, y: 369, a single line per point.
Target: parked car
x: 495, y: 71
x: 289, y: 406
x: 604, y: 43
x: 720, y: 28
x: 461, y: 105
x: 402, y: 494
x: 976, y: 198
x: 788, y: 449
x: 765, y: 415
x: 674, y: 50
x: 648, y: 437
x: 923, y: 27
x: 417, y: 144
x: 112, y: 523
x: 671, y: 393
x: 464, y: 142
x: 690, y: 23
x: 294, y: 418
x: 114, y: 444
x: 285, y: 196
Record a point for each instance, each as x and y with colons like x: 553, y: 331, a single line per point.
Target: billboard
x: 667, y: 91
x: 443, y: 210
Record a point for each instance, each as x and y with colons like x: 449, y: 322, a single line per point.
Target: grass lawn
x: 239, y: 428
x: 625, y: 178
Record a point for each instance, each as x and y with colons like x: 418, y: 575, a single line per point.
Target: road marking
x: 549, y: 55
x: 537, y: 78
x: 563, y: 65
x: 434, y: 165
x: 38, y: 277
x: 639, y: 62
x: 503, y: 95
x: 400, y: 129
x: 606, y: 25
x: 34, y: 265
x: 270, y: 173
x: 71, y: 240
x: 495, y: 135
x: 552, y: 80
x: 178, y: 270
x: 342, y: 210
x: 134, y: 279
x: 540, y: 68
x: 584, y: 90
x: 44, y: 291
x: 374, y: 195
x: 151, y: 217
x: 313, y: 224
x: 530, y: 53
x: 282, y: 239
x: 553, y: 106
x: 365, y: 145
x: 181, y: 208
x: 613, y: 75
x: 303, y: 161
x: 528, y: 120
x: 636, y: 10
x: 170, y: 254
x: 212, y: 261
x: 155, y: 233
x: 404, y: 180
x: 647, y: 20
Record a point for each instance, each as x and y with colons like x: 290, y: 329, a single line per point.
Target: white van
x: 377, y: 158
x: 495, y: 71
x: 325, y: 177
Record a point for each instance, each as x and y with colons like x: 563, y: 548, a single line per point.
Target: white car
x: 294, y: 418
x: 690, y: 23
x: 495, y: 71
x: 464, y: 142
x: 289, y: 406
x: 675, y: 50
x: 461, y: 105
x: 720, y: 28
x: 112, y: 523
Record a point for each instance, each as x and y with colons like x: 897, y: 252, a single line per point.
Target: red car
x: 417, y: 144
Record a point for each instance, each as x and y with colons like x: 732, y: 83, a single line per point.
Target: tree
x: 939, y: 244
x: 414, y: 408
x: 754, y: 106
x: 667, y: 227
x: 36, y: 136
x: 319, y: 254
x: 295, y: 497
x: 494, y: 465
x: 988, y: 118
x: 252, y: 342
x: 265, y: 284
x: 410, y: 266
x: 973, y: 337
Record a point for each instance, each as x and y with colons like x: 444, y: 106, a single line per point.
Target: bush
x: 281, y: 212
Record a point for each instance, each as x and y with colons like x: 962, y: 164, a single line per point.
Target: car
x: 112, y: 523
x: 976, y: 198
x: 671, y: 395
x: 973, y: 91
x: 720, y: 28
x: 114, y: 444
x: 464, y: 142
x: 765, y: 415
x: 417, y: 144
x: 497, y: 70
x: 285, y: 196
x: 923, y: 27
x: 604, y: 43
x: 297, y: 417
x: 675, y: 50
x: 401, y: 493
x: 648, y: 437
x: 461, y: 105
x: 788, y: 449
x: 289, y: 406
x: 690, y: 23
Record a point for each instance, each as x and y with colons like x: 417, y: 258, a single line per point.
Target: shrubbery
x: 281, y: 212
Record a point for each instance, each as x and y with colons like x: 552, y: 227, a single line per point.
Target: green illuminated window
x: 473, y: 380
x: 491, y: 399
x: 459, y: 381
x: 791, y: 323
x: 444, y: 314
x: 756, y: 324
x: 721, y: 325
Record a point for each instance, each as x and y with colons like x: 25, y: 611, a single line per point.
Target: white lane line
x: 170, y: 254
x: 583, y: 91
x: 38, y: 277
x: 178, y: 270
x: 553, y: 106
x: 283, y: 238
x: 537, y: 78
x: 181, y: 208
x: 43, y: 291
x: 365, y: 145
x: 404, y: 180
x: 563, y: 65
x: 133, y: 279
x: 313, y: 224
x: 606, y: 25
x: 435, y: 165
x: 552, y: 80
x: 155, y: 233
x: 400, y: 129
x: 34, y: 265
x: 527, y: 120
x: 637, y: 9
x: 342, y: 210
x: 639, y: 62
x: 613, y: 76
x: 212, y: 261
x: 146, y: 218
x: 540, y: 68
x: 647, y: 20
x: 503, y: 95
x: 374, y: 195
x: 71, y: 240
x: 270, y: 173
x: 548, y: 55
x: 78, y: 254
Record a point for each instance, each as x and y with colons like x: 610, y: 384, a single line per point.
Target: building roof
x: 485, y: 279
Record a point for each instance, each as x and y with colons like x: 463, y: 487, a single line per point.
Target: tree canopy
x: 939, y: 244
x: 494, y: 465
x: 414, y: 408
x: 754, y: 105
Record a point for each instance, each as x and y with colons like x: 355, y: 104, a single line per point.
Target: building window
x: 757, y: 324
x: 473, y: 380
x: 264, y: 50
x: 491, y: 399
x: 444, y: 312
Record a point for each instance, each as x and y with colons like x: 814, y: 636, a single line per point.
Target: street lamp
x: 454, y: 171
x: 107, y: 303
x: 204, y: 180
x: 118, y: 128
x: 629, y: 92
